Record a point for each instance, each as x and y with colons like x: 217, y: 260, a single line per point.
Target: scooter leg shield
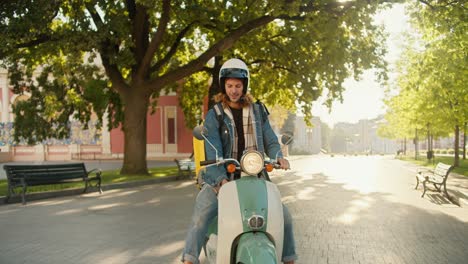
x: 255, y: 248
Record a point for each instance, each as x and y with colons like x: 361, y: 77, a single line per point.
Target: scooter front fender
x: 255, y: 248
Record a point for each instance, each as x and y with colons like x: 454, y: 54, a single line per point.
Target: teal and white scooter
x: 249, y: 227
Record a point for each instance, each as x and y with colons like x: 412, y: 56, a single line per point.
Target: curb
x: 77, y: 191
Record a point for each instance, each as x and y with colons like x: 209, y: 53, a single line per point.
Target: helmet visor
x: 234, y: 73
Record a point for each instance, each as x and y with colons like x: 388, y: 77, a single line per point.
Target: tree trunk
x: 464, y: 142
x: 428, y: 147
x: 134, y: 126
x: 214, y: 88
x: 416, y: 145
x: 404, y: 148
x: 432, y: 143
x: 456, y: 160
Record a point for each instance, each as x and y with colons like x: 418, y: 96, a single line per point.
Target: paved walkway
x: 365, y: 210
x: 345, y: 210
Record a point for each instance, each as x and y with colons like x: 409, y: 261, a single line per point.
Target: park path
x: 346, y: 210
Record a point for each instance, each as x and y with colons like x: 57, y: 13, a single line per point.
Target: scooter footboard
x: 255, y: 248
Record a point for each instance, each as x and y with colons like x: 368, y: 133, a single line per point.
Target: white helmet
x: 234, y: 68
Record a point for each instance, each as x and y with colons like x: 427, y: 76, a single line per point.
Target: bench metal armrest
x: 424, y: 170
x: 97, y: 178
x: 423, y: 176
x: 97, y: 172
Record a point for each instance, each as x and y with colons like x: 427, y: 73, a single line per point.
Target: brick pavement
x: 358, y: 210
x: 345, y: 210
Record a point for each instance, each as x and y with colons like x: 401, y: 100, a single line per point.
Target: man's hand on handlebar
x: 284, y: 163
x: 216, y: 189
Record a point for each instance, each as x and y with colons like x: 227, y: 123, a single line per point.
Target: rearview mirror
x: 199, y: 132
x: 287, y: 138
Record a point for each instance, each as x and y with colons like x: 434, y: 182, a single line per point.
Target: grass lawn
x: 422, y: 161
x: 108, y: 177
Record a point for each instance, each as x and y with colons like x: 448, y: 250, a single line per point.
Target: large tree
x: 51, y: 49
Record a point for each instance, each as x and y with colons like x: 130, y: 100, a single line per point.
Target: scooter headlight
x: 256, y: 222
x: 252, y: 162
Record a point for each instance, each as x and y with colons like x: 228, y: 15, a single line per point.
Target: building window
x: 171, y: 125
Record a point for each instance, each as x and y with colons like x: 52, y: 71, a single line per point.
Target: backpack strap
x: 218, y: 107
x: 264, y: 107
x: 263, y: 110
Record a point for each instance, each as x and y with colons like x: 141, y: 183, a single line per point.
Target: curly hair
x: 224, y: 99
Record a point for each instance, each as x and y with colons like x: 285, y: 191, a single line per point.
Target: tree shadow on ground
x: 337, y: 224
x: 333, y: 224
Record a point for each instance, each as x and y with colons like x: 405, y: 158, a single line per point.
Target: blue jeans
x: 206, y: 208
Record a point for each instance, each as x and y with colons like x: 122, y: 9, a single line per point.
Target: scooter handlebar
x: 207, y: 162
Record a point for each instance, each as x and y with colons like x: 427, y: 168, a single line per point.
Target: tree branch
x: 275, y: 66
x: 131, y: 8
x: 140, y: 33
x: 118, y: 82
x: 42, y: 38
x: 176, y: 43
x: 447, y: 3
x: 222, y: 45
x: 157, y: 38
x: 94, y: 16
x: 229, y: 39
x: 173, y: 48
x: 207, y: 69
x: 427, y: 3
x: 105, y: 51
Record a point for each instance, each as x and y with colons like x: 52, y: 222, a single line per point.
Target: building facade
x: 307, y: 140
x: 361, y: 138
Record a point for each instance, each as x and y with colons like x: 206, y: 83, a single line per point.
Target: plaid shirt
x: 250, y: 135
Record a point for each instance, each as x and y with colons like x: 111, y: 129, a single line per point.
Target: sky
x: 363, y: 99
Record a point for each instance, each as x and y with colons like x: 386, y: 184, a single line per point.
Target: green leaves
x: 139, y: 48
x: 433, y: 78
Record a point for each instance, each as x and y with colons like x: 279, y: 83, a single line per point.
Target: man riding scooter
x: 241, y: 129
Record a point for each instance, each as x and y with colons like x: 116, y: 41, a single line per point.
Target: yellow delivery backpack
x: 198, y: 155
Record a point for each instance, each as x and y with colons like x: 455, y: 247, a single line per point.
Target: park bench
x: 186, y: 167
x: 437, y: 177
x: 23, y: 176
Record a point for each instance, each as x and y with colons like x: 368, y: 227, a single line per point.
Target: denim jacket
x: 223, y: 139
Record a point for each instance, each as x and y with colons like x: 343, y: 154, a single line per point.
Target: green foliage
x: 79, y: 57
x: 191, y: 100
x: 65, y: 87
x: 294, y: 59
x: 433, y: 73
